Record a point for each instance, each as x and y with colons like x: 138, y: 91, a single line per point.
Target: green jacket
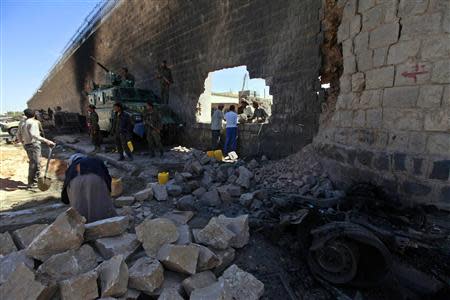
x: 152, y: 120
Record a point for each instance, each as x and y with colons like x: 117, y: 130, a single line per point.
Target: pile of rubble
x: 108, y: 259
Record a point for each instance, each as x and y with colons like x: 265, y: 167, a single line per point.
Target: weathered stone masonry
x: 276, y: 40
x: 392, y: 119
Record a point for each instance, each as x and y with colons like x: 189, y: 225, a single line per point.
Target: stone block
x: 358, y: 82
x: 199, y: 192
x: 437, y: 120
x: 172, y: 281
x: 226, y: 258
x: 106, y: 228
x: 343, y: 31
x: 184, y: 235
x: 374, y: 118
x: 65, y: 233
x: 170, y: 294
x: 179, y: 217
x: 381, y: 162
x: 24, y: 236
x: 347, y: 48
x: 436, y: 47
x: 198, y: 281
x: 355, y: 25
x: 417, y: 142
x: 215, y: 234
x: 216, y: 291
x: 174, y: 190
x: 403, y: 119
x: 402, y: 51
x: 179, y: 258
x: 384, y: 35
x: 365, y: 60
x: 197, y: 167
x: 244, y: 177
x: 373, y: 17
x: 370, y: 99
x: 159, y: 191
x: 246, y: 199
x: 146, y: 194
x: 441, y: 170
x: 361, y: 42
x: 365, y: 5
x: 441, y: 72
x: 243, y: 285
x: 211, y: 198
x: 81, y: 287
x: 380, y: 56
x: 124, y: 201
x: 399, y: 161
x: 239, y: 226
x: 408, y: 8
x: 430, y: 96
x: 380, y: 78
x: 68, y: 264
x: 207, y: 259
x: 6, y: 244
x: 413, y: 74
x: 146, y: 275
x: 349, y: 65
x: 155, y: 233
x: 113, y: 275
x: 124, y: 244
x: 21, y: 285
x: 9, y: 263
x: 345, y: 83
x: 414, y: 27
x: 401, y: 97
x: 398, y: 140
x: 359, y: 118
x: 186, y: 202
x: 445, y: 194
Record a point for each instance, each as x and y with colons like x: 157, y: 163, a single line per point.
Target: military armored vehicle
x: 134, y: 102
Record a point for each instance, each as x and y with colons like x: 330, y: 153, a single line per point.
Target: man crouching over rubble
x: 87, y: 188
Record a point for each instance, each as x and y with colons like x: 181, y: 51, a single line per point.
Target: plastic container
x: 210, y: 153
x: 163, y: 177
x: 130, y: 146
x: 218, y: 155
x: 116, y: 187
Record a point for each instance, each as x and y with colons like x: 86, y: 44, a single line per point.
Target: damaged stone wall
x: 391, y: 123
x: 277, y: 40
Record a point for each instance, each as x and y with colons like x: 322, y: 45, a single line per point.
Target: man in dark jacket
x: 87, y: 188
x: 122, y: 130
x: 94, y: 128
x: 166, y: 80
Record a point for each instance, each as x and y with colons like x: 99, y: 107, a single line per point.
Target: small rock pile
x: 164, y: 258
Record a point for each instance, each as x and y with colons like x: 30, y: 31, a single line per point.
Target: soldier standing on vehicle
x: 152, y: 123
x: 28, y: 134
x: 93, y: 127
x: 122, y: 130
x: 127, y: 79
x: 165, y: 78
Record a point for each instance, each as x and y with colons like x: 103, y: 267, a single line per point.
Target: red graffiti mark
x: 418, y: 70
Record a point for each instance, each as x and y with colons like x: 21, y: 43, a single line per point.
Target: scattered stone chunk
x: 24, y: 236
x: 234, y: 190
x: 199, y: 192
x: 243, y: 285
x: 170, y: 294
x: 239, y: 226
x: 65, y: 233
x: 186, y: 203
x: 106, y: 228
x: 225, y: 257
x: 124, y: 244
x: 146, y: 275
x: 198, y: 281
x: 143, y: 195
x: 244, y: 177
x: 225, y: 195
x: 179, y: 258
x: 172, y: 281
x: 253, y: 164
x: 6, y: 244
x: 207, y: 260
x: 211, y: 198
x: 155, y: 233
x: 9, y: 263
x: 21, y: 285
x: 159, y: 191
x: 197, y: 167
x: 81, y: 287
x: 184, y: 235
x: 216, y: 291
x: 246, y: 199
x: 215, y: 235
x: 67, y: 264
x: 124, y: 201
x: 113, y: 277
x: 131, y: 294
x: 174, y: 190
x: 179, y: 217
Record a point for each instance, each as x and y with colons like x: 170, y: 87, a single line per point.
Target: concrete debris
x: 146, y: 194
x: 215, y: 234
x: 196, y: 167
x: 174, y: 190
x: 179, y: 217
x: 124, y: 201
x: 113, y: 275
x: 243, y: 285
x: 199, y: 192
x: 65, y: 233
x: 253, y: 164
x: 146, y: 275
x: 29, y: 287
x: 184, y: 235
x: 170, y: 294
x: 246, y: 199
x: 198, y: 281
x: 9, y: 263
x: 186, y: 202
x: 225, y: 194
x: 68, y: 264
x: 179, y: 258
x: 81, y: 287
x: 106, y: 228
x: 216, y: 291
x: 172, y: 281
x: 124, y: 244
x: 244, y: 177
x: 24, y: 236
x: 6, y: 244
x: 210, y: 198
x: 131, y: 294
x: 153, y: 233
x: 239, y: 226
x: 207, y: 260
x: 225, y: 257
x: 159, y: 191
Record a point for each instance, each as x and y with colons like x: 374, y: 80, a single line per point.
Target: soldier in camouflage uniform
x: 166, y: 80
x: 153, y: 125
x: 94, y: 128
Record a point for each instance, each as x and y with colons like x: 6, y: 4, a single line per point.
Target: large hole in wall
x: 233, y: 86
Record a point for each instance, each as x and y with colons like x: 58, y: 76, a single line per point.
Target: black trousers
x: 121, y: 144
x: 215, y: 139
x: 33, y: 153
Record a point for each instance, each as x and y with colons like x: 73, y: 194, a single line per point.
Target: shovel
x: 44, y: 183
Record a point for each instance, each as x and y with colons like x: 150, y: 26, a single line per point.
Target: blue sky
x: 33, y: 34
